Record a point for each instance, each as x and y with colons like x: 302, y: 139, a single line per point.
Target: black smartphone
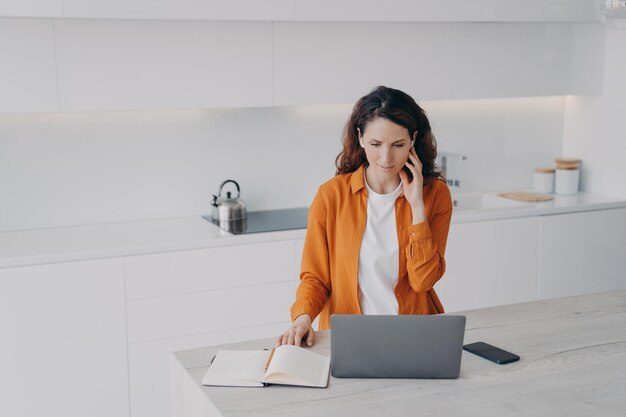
x: 492, y: 353
x: 407, y: 170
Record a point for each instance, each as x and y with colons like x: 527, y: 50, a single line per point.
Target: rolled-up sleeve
x: 315, y: 284
x: 427, y: 245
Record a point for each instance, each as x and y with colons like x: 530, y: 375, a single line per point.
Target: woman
x: 377, y: 231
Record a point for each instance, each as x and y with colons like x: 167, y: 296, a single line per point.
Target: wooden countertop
x: 573, y: 363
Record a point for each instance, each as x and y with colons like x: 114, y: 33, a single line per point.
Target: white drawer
x: 211, y: 311
x: 210, y: 269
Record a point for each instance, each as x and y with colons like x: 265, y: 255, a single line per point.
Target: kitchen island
x: 573, y: 363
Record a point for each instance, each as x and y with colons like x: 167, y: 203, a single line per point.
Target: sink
x: 483, y: 201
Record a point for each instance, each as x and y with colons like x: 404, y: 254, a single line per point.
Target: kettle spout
x: 214, y: 201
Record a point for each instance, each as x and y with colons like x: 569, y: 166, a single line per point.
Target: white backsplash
x: 61, y: 169
x: 503, y: 139
x: 594, y: 126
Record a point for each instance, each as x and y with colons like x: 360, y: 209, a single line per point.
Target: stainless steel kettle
x: 229, y: 212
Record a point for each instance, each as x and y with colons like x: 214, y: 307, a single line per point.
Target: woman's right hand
x: 299, y: 332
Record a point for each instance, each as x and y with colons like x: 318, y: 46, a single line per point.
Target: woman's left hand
x: 413, y: 187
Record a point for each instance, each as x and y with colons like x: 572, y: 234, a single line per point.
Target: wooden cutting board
x: 526, y: 196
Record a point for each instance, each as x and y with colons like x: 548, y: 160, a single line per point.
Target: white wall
x: 78, y: 168
x: 594, y: 127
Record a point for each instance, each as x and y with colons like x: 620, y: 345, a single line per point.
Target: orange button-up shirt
x: 330, y: 259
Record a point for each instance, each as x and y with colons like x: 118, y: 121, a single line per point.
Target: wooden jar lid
x: 567, y: 161
x: 544, y: 170
x: 567, y: 164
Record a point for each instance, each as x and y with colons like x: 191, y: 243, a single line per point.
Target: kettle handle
x: 219, y: 193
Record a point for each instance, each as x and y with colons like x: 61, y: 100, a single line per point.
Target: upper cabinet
x: 27, y: 72
x: 31, y: 8
x: 444, y: 11
x: 527, y: 59
x: 105, y: 65
x: 320, y: 63
x: 112, y: 65
x: 244, y: 10
x: 310, y: 10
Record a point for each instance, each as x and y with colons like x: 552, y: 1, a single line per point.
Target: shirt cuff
x: 302, y: 307
x: 420, y: 231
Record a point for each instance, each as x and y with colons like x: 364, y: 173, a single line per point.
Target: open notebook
x: 286, y: 365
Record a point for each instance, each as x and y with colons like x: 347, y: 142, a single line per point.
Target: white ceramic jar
x: 566, y: 180
x: 544, y: 180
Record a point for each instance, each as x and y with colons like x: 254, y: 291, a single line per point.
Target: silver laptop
x: 409, y: 346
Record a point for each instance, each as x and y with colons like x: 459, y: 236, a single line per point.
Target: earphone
x: 358, y: 132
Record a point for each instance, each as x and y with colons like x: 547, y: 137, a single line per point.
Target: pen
x: 269, y: 359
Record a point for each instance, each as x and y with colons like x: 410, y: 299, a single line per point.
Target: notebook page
x: 230, y: 366
x: 308, y: 367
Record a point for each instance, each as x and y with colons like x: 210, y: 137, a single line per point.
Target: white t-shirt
x: 378, y: 257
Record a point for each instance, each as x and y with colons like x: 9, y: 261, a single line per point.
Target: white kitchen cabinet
x: 179, y: 300
x: 196, y: 271
x: 204, y: 312
x: 234, y: 10
x: 582, y: 253
x: 322, y: 63
x: 529, y: 59
x: 490, y: 263
x: 27, y: 72
x: 117, y: 65
x: 102, y: 65
x: 443, y: 11
x: 64, y: 348
x: 31, y: 8
x: 435, y: 61
x: 310, y: 10
x: 587, y: 50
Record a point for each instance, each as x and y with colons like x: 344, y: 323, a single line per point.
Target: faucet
x: 444, y: 166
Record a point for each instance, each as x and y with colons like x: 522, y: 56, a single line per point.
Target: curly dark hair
x: 397, y: 107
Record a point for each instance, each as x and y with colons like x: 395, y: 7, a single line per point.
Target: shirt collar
x: 357, y: 181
